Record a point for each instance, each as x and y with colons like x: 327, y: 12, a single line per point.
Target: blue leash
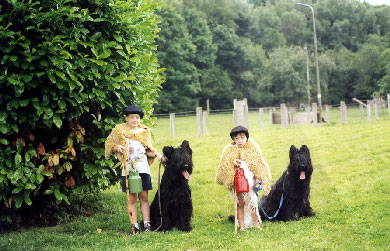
x: 261, y: 206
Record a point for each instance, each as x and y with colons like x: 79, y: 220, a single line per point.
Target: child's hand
x: 160, y: 157
x: 257, y: 187
x: 120, y: 149
x: 237, y: 163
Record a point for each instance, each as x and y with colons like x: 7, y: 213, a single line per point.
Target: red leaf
x: 31, y: 137
x: 21, y: 140
x: 41, y: 149
x: 69, y: 181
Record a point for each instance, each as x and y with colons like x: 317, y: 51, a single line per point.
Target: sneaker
x: 136, y: 230
x: 147, y: 227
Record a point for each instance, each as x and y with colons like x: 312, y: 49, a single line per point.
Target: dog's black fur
x: 176, y: 202
x: 296, y: 189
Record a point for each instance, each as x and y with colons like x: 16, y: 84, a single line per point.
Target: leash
x: 128, y: 196
x: 277, y: 211
x: 159, y: 197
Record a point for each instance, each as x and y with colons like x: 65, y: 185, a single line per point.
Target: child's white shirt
x: 137, y: 152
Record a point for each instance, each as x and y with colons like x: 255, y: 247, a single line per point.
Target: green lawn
x: 349, y: 193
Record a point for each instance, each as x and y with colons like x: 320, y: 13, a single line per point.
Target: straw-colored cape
x: 122, y: 131
x: 251, y: 154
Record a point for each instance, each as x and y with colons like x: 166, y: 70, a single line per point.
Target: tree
x: 285, y: 77
x: 342, y: 78
x: 216, y: 86
x: 201, y: 37
x: 265, y: 28
x: 384, y: 62
x: 293, y: 28
x: 368, y: 67
x: 67, y: 70
x: 176, y: 53
x: 356, y: 30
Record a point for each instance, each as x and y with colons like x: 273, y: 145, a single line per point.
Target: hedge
x: 67, y: 70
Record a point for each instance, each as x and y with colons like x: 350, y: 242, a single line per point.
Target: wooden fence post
x: 343, y: 113
x: 314, y: 110
x: 261, y: 117
x: 327, y: 113
x: 308, y: 114
x: 205, y: 123
x: 234, y: 112
x: 208, y: 106
x: 290, y: 117
x: 282, y: 115
x: 368, y: 111
x: 361, y: 108
x: 388, y: 102
x: 270, y: 116
x: 240, y: 113
x: 376, y: 101
x: 199, y: 120
x: 172, y: 119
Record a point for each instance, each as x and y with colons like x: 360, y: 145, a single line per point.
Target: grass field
x: 349, y: 193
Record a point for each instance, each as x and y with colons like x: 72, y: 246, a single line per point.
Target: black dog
x: 175, y: 193
x: 294, y: 184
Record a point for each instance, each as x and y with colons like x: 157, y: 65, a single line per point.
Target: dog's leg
x: 306, y: 210
x: 288, y: 212
x: 184, y: 225
x: 288, y: 217
x: 183, y: 217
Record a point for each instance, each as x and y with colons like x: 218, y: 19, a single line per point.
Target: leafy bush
x: 67, y: 70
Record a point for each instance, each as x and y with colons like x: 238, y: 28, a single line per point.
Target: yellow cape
x: 122, y: 131
x: 252, y: 155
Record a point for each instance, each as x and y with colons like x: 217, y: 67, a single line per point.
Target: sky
x: 377, y: 2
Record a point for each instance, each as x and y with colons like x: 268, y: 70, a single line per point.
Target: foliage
x: 176, y: 49
x: 67, y: 70
x: 349, y: 193
x: 343, y: 77
x: 218, y: 33
x: 283, y: 78
x: 384, y: 83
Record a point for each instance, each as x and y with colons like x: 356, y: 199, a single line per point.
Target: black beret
x: 239, y: 129
x: 133, y: 109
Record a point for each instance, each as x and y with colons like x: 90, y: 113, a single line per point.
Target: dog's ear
x: 293, y: 150
x: 186, y: 145
x: 168, y: 150
x: 305, y: 150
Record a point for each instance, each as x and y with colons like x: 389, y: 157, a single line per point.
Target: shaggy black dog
x: 175, y: 193
x: 294, y: 184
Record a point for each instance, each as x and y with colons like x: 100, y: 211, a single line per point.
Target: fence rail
x: 209, y: 121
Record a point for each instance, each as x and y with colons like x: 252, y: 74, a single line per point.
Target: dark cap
x: 239, y: 129
x: 133, y: 109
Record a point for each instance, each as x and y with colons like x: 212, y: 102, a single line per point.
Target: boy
x: 132, y: 141
x: 244, y: 153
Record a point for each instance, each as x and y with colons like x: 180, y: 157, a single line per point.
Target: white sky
x: 377, y: 2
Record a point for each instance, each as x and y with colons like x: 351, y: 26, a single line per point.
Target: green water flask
x: 135, y: 182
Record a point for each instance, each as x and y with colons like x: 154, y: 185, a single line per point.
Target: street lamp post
x: 307, y: 74
x: 316, y: 56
